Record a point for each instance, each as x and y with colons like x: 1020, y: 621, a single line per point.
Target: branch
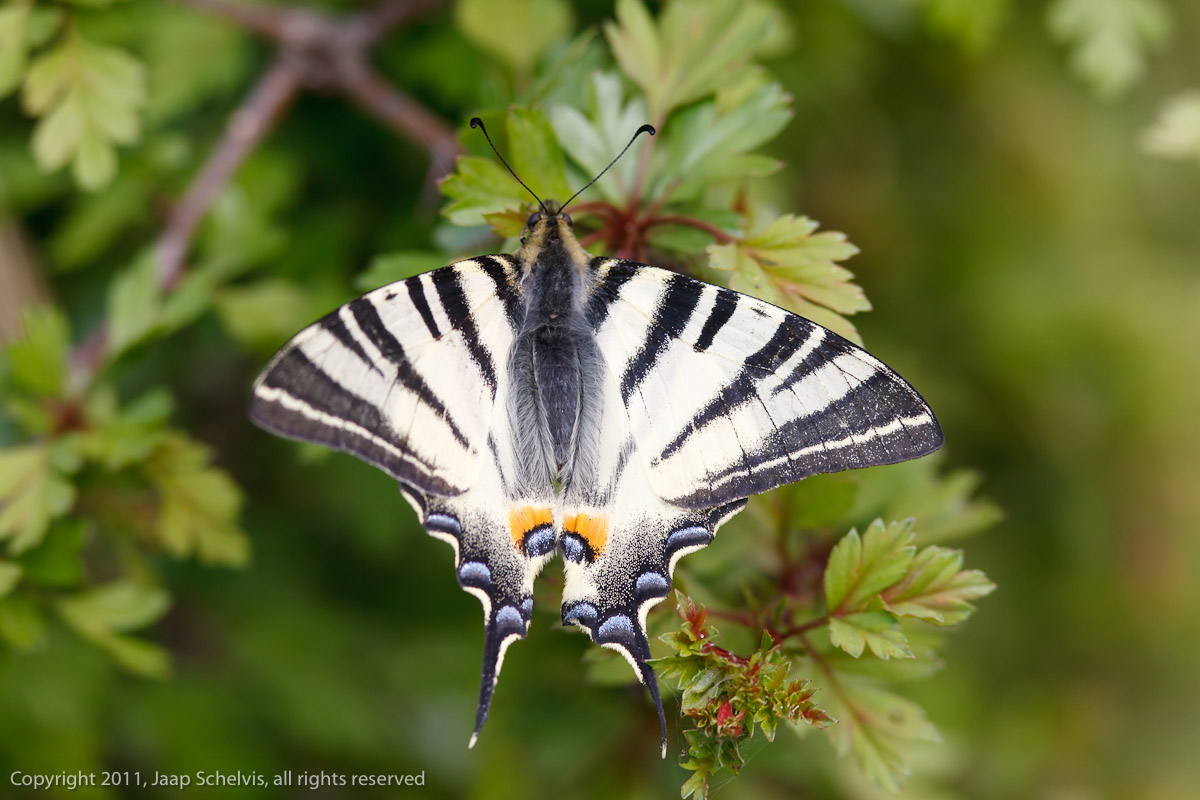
x: 247, y: 126
x: 691, y: 222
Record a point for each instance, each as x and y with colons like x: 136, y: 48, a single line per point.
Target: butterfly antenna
x: 644, y: 129
x: 476, y: 122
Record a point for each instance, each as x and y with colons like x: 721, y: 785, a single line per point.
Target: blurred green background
x: 1032, y: 251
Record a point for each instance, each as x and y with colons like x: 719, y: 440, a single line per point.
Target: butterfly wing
x: 412, y: 379
x: 729, y: 396
x: 710, y: 396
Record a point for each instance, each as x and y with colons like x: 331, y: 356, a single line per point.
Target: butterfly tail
x: 503, y: 628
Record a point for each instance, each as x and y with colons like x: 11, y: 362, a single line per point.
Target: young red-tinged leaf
x: 937, y: 588
x: 877, y: 630
x: 860, y: 568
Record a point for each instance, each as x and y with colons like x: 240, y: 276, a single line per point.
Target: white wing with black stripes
x: 729, y: 396
x: 413, y: 378
x: 710, y: 396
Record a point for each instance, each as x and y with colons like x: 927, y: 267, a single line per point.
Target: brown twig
x: 316, y: 51
x: 247, y: 127
x: 691, y: 222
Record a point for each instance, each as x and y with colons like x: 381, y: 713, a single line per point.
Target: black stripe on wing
x: 675, y: 308
x: 301, y: 401
x: 373, y: 328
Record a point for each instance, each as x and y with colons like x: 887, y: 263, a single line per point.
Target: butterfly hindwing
x: 413, y: 379
x: 729, y: 396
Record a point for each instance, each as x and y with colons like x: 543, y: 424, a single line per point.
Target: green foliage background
x: 181, y: 592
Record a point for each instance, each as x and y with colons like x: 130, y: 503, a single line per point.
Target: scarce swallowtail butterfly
x: 551, y: 402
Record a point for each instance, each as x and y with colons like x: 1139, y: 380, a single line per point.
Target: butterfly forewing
x: 729, y: 396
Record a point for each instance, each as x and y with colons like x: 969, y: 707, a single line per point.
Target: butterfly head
x: 550, y: 229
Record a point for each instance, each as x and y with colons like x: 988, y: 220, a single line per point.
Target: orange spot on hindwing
x: 523, y: 521
x: 593, y: 530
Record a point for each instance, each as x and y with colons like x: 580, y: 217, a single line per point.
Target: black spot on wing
x: 374, y: 329
x: 676, y: 305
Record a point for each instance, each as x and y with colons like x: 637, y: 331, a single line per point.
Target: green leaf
x: 872, y: 725
x: 536, y: 155
x: 594, y: 138
x: 937, y: 588
x: 37, y: 362
x: 517, y: 31
x: 118, y: 438
x: 479, y: 186
x: 21, y: 623
x: 1176, y: 132
x: 878, y: 630
x: 1111, y: 38
x: 134, y: 304
x: 14, y: 46
x: 10, y: 573
x: 88, y: 96
x: 392, y: 267
x: 104, y: 614
x: 790, y: 265
x: 860, y: 568
x: 263, y: 313
x: 56, y: 561
x: 693, y: 49
x: 199, y: 504
x: 971, y: 23
x: 33, y: 492
x: 174, y: 44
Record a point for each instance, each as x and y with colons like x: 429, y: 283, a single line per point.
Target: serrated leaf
x: 1111, y: 38
x: 872, y: 724
x: 1176, y: 132
x: 790, y: 265
x: 592, y: 140
x: 878, y: 630
x: 199, y: 504
x: 88, y: 96
x: 118, y: 438
x: 937, y: 588
x: 10, y: 574
x: 480, y: 186
x: 860, y: 568
x: 693, y: 48
x: 33, y: 492
x: 535, y: 154
x: 517, y: 31
x: 103, y: 615
x: 37, y: 362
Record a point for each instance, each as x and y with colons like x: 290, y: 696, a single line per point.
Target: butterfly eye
x: 534, y: 219
x: 566, y: 218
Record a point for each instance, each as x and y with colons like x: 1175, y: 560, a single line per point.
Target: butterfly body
x: 614, y: 413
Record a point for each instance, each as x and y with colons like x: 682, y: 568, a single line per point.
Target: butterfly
x: 614, y: 413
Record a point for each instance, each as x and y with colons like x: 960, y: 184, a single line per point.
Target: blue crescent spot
x: 651, y: 583
x: 572, y: 549
x: 475, y: 572
x: 527, y: 606
x: 509, y: 617
x: 580, y: 612
x: 620, y: 627
x: 688, y: 537
x: 539, y: 542
x: 444, y: 523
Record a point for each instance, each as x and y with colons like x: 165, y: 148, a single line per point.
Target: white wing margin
x: 729, y: 396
